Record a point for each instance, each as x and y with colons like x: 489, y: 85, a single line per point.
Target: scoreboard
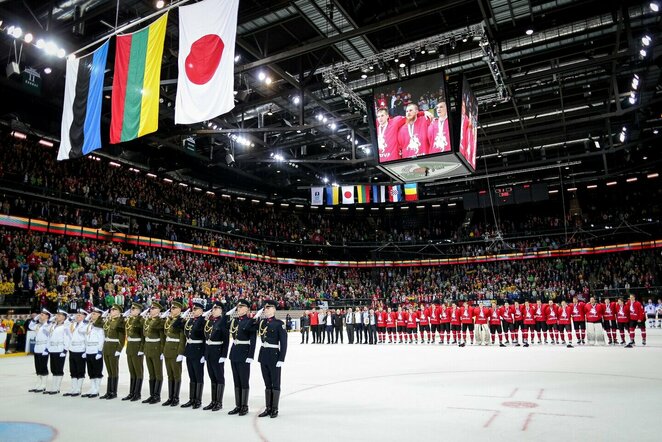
x: 506, y: 195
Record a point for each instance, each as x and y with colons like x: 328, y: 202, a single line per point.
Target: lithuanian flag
x: 135, y: 102
x: 363, y: 194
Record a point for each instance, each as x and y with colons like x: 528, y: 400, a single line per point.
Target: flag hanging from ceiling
x: 394, y: 194
x: 205, y: 85
x: 332, y: 196
x: 375, y: 194
x: 136, y: 82
x: 411, y: 192
x: 81, y: 112
x: 348, y: 194
x: 362, y: 194
x: 316, y: 196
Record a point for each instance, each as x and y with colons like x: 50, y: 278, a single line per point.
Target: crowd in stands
x: 66, y: 272
x: 184, y: 214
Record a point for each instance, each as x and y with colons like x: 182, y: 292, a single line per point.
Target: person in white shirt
x: 349, y: 325
x: 41, y: 327
x: 77, y: 331
x: 650, y: 310
x: 658, y: 313
x: 358, y: 325
x: 58, y: 341
x: 94, y: 338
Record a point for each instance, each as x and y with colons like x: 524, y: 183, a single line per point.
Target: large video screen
x: 412, y: 118
x: 468, y: 124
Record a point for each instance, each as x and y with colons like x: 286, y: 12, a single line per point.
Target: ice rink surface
x: 378, y: 393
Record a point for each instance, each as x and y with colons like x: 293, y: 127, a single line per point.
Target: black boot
x: 220, y: 388
x: 199, y: 387
x: 132, y: 385
x: 113, y: 391
x: 274, y: 403
x: 108, y: 389
x: 191, y: 395
x: 137, y: 390
x: 267, y: 403
x: 156, y: 397
x: 175, y: 393
x: 244, y: 402
x: 212, y: 404
x: 171, y: 388
x: 237, y: 401
x: 151, y: 392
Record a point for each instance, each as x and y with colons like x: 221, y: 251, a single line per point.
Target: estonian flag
x: 81, y: 114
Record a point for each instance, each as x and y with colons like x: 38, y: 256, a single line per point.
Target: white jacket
x: 94, y: 337
x: 43, y: 331
x: 58, y: 339
x: 77, y: 332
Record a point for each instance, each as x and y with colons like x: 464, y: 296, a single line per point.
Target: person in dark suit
x: 337, y: 325
x: 243, y: 331
x: 194, y: 352
x: 304, y: 321
x: 272, y: 357
x: 216, y: 352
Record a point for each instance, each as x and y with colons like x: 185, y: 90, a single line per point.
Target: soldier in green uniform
x: 113, y: 328
x: 135, y: 342
x: 173, y: 352
x: 154, y: 341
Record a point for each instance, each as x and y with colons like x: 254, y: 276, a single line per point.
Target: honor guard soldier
x: 243, y: 331
x: 133, y: 327
x: 40, y: 326
x: 112, y: 348
x: 154, y: 341
x: 216, y: 351
x: 272, y: 356
x: 173, y: 352
x: 94, y: 339
x: 194, y: 330
x: 56, y: 347
x: 77, y: 332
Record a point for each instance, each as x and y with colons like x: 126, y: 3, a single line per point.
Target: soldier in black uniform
x: 272, y: 356
x: 243, y: 331
x: 216, y: 351
x: 195, y: 355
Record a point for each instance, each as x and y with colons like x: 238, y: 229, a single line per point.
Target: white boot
x: 72, y: 390
x: 91, y: 390
x: 95, y: 386
x: 39, y: 385
x: 55, y: 385
x: 79, y: 386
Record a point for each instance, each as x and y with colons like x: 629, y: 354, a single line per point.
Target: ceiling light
x: 51, y: 48
x: 167, y: 180
x: 237, y: 58
x: 592, y: 186
x: 631, y: 180
x: 46, y: 143
x: 464, y: 40
x: 28, y: 38
x: 364, y: 76
x: 261, y: 76
x: 654, y: 6
x: 16, y: 32
x: 652, y: 175
x: 114, y: 164
x: 646, y: 40
x: 529, y: 31
x: 160, y: 4
x: 296, y: 100
x: 151, y: 175
x: 553, y: 191
x: 47, y: 70
x: 19, y: 135
x: 333, y: 126
x: 571, y: 189
x: 402, y: 65
x: 612, y: 183
x: 72, y: 57
x: 40, y: 43
x: 643, y: 52
x: 655, y: 131
x: 267, y: 80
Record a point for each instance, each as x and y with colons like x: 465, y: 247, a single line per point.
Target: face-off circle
x: 203, y: 59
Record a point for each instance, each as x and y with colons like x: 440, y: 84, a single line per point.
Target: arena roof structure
x: 568, y: 90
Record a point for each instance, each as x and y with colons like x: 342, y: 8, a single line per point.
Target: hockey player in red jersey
x: 541, y: 321
x: 609, y: 320
x: 423, y: 315
x: 467, y: 320
x: 390, y: 325
x: 529, y: 322
x: 434, y: 312
x: 564, y: 313
x: 594, y: 330
x: 495, y: 324
x: 412, y: 325
x: 380, y: 316
x: 482, y: 330
x: 508, y: 322
x: 552, y: 322
x: 578, y: 320
x: 637, y: 320
x: 454, y: 316
x: 401, y: 324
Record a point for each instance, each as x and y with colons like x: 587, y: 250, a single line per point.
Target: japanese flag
x: 348, y: 194
x: 205, y: 85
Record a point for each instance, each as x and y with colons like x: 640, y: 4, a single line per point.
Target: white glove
x: 221, y: 360
x: 87, y: 318
x: 180, y: 358
x: 187, y: 313
x: 117, y: 353
x: 63, y: 354
x: 206, y: 314
x: 84, y: 356
x: 140, y: 353
x: 231, y: 311
x: 279, y: 364
x: 165, y: 314
x: 258, y: 313
x: 249, y: 360
x: 161, y: 357
x: 126, y: 313
x: 98, y: 356
x: 202, y: 360
x: 145, y: 313
x: 45, y: 353
x: 104, y: 314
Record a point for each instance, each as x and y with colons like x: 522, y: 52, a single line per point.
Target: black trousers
x: 305, y: 333
x: 77, y: 365
x: 271, y: 376
x: 366, y: 333
x: 350, y: 333
x: 358, y: 328
x: 41, y: 364
x: 329, y: 334
x: 215, y: 369
x: 372, y: 334
x: 196, y: 369
x: 241, y: 374
x: 57, y: 364
x: 94, y: 366
x: 339, y: 334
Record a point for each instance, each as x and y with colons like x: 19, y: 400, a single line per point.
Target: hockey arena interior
x: 273, y: 220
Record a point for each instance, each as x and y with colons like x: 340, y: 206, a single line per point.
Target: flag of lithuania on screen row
x: 135, y: 100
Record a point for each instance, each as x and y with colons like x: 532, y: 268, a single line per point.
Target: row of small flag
x: 363, y: 194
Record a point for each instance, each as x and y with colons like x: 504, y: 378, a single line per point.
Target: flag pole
x: 130, y: 25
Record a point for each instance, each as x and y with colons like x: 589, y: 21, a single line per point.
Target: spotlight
x: 160, y: 4
x: 529, y: 31
x: 646, y: 40
x: 267, y: 80
x: 402, y: 65
x: 270, y: 112
x: 643, y: 52
x: 47, y: 70
x: 60, y: 53
x: 237, y: 58
x: 297, y: 100
x: 51, y: 48
x: 17, y: 32
x: 333, y: 126
x: 261, y: 76
x: 364, y: 76
x: 28, y: 38
x: 654, y: 6
x: 40, y: 43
